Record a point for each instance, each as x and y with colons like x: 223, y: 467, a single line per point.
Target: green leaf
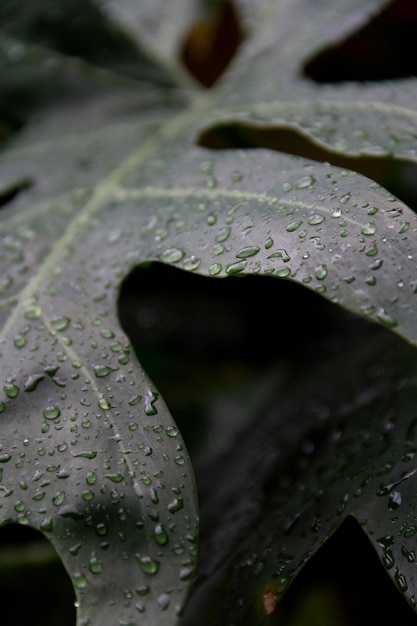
x: 109, y: 177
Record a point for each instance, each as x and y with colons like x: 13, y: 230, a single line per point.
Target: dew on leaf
x: 280, y: 254
x: 372, y: 250
x: 11, y: 390
x: 368, y: 229
x: 176, y: 505
x: 60, y: 323
x: 51, y: 412
x: 247, y: 252
x: 32, y: 312
x: 401, y: 581
x: 58, y: 498
x: 305, y: 182
x: 171, y: 431
x: 215, y: 269
x: 235, y: 268
x: 95, y: 565
x: 32, y: 382
x: 147, y: 564
x: 284, y: 272
x: 223, y: 234
x: 163, y: 601
x: 19, y: 341
x: 386, y: 319
x: 314, y: 220
x: 79, y: 581
x: 292, y: 226
x: 191, y: 263
x: 101, y: 529
x: 172, y: 255
x: 102, y: 370
x: 160, y: 535
x: 321, y: 271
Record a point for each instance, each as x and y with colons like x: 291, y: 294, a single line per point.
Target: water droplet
x: 247, y: 252
x: 11, y: 390
x: 51, y: 412
x: 163, y: 601
x: 172, y: 255
x: 284, y: 272
x: 292, y: 226
x: 147, y: 564
x: 316, y: 219
x: 172, y: 431
x: 223, y: 234
x: 79, y: 581
x: 372, y: 250
x: 404, y: 227
x: 386, y: 319
x: 235, y: 268
x: 58, y: 498
x: 103, y: 404
x: 19, y: 341
x: 321, y: 271
x: 287, y: 187
x: 60, y: 323
x: 160, y: 535
x: 95, y: 565
x: 33, y: 312
x: 280, y: 254
x: 305, y: 181
x: 401, y: 581
x: 176, y: 505
x: 191, y: 263
x: 32, y: 382
x: 388, y: 560
x: 368, y: 229
x: 215, y: 269
x: 211, y: 219
x: 102, y: 370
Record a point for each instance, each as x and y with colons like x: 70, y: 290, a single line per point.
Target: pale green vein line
x: 101, y: 194
x: 280, y: 106
x: 90, y: 377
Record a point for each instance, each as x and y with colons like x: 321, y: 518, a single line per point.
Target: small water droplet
x: 79, y: 581
x: 386, y: 319
x: 172, y: 255
x: 401, y: 581
x: 191, y: 263
x: 284, y: 272
x: 11, y: 390
x: 51, y: 412
x: 95, y: 565
x: 147, y: 564
x: 305, y: 181
x: 176, y: 505
x: 316, y: 219
x: 60, y: 323
x: 292, y: 226
x: 32, y: 382
x: 102, y: 370
x: 247, y: 252
x: 160, y: 535
x: 321, y: 271
x: 223, y: 234
x: 368, y: 229
x: 215, y: 269
x: 235, y: 268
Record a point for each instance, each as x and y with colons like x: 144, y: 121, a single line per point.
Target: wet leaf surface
x: 90, y: 454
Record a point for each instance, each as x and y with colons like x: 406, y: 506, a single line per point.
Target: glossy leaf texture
x: 105, y: 175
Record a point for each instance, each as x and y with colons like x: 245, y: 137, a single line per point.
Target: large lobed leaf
x: 108, y: 178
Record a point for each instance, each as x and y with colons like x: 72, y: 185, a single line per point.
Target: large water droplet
x: 247, y: 252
